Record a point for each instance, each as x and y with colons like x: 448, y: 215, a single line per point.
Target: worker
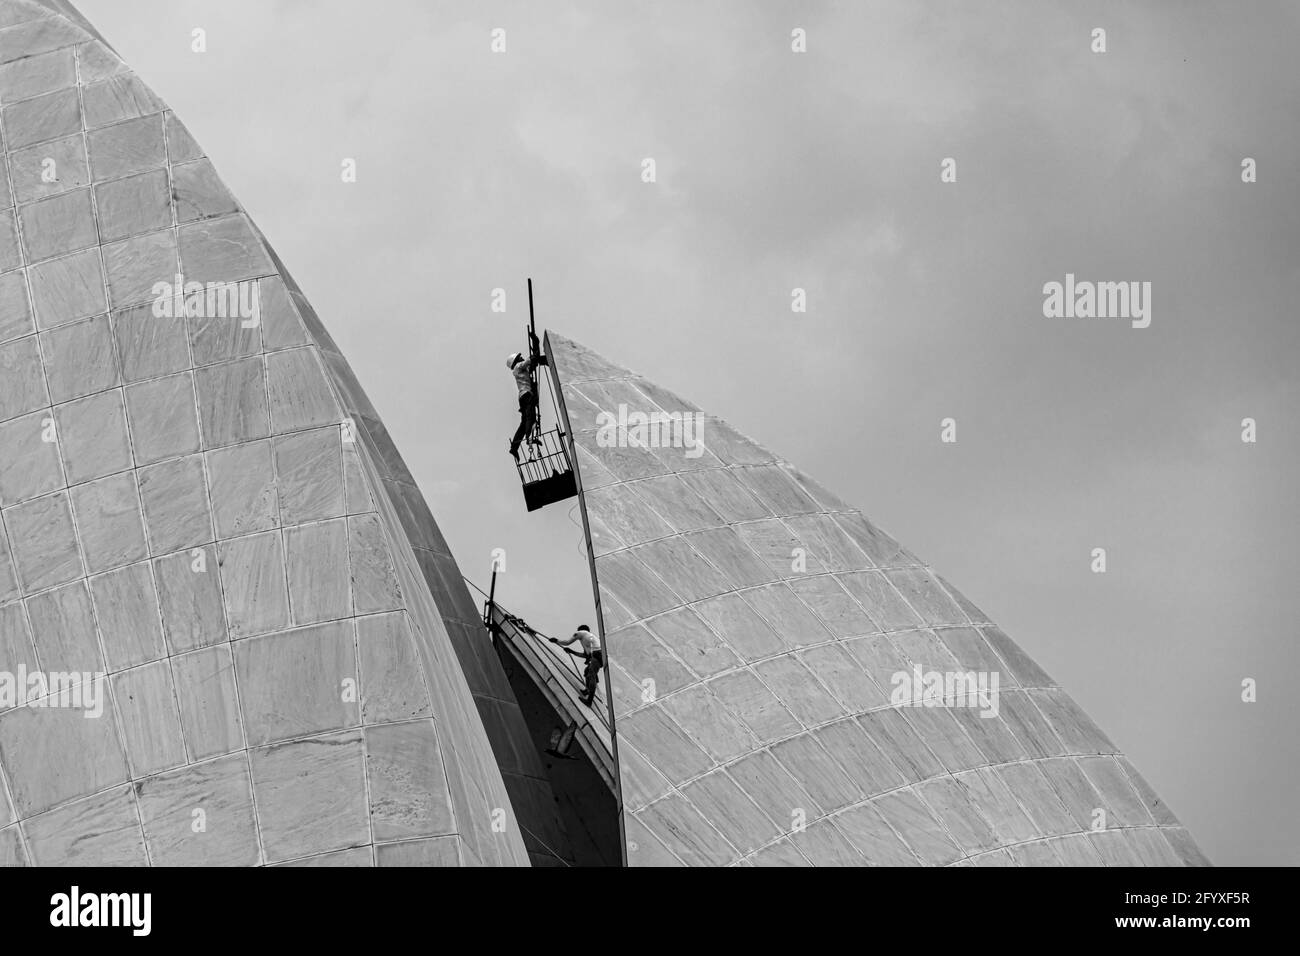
x: 595, y: 659
x: 522, y: 369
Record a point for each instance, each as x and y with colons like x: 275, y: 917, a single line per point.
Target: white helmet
x: 515, y: 358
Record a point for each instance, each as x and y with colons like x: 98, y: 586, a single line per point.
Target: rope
x: 579, y: 680
x: 473, y: 585
x: 542, y: 842
x: 582, y: 535
x: 523, y: 626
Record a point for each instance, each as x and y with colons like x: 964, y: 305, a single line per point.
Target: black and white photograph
x: 576, y: 434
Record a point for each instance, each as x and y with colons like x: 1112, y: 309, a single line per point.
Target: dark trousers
x: 527, y: 419
x: 595, y: 661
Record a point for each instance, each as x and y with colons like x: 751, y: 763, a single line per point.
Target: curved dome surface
x: 213, y: 560
x: 757, y: 628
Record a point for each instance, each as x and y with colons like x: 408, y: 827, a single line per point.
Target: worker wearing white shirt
x: 595, y: 656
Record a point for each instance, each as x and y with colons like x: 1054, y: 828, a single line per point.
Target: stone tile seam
x: 921, y: 735
x: 1073, y: 834
x: 796, y: 652
x: 109, y: 680
x: 6, y: 792
x: 214, y: 543
x: 792, y: 652
x: 1024, y: 807
x: 764, y: 563
x: 211, y: 543
x: 125, y: 385
x: 246, y: 749
x: 10, y: 149
x: 634, y: 378
x: 170, y: 658
x: 204, y: 449
x: 842, y: 718
x: 172, y: 206
x: 780, y: 519
x: 371, y: 846
x: 46, y: 14
x: 1066, y: 836
x: 114, y: 708
x: 156, y: 606
x: 741, y: 590
x: 356, y: 631
x: 965, y: 858
x: 109, y: 300
x: 131, y: 782
x: 365, y: 741
x: 41, y: 13
x: 152, y: 555
x: 723, y: 642
x: 890, y: 759
x: 784, y: 467
x: 809, y: 732
x: 114, y: 305
x: 173, y: 202
x: 722, y: 639
x: 4, y: 532
x: 93, y: 194
x: 370, y: 473
x: 812, y: 611
x: 782, y: 463
x: 716, y: 464
x: 27, y: 280
x: 913, y: 787
x: 772, y: 512
x: 668, y: 716
x: 665, y: 713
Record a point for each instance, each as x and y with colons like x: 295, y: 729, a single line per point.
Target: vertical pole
x: 532, y: 355
x: 532, y: 322
x: 562, y: 413
x: 491, y: 605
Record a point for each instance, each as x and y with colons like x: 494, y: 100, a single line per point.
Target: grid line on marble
x: 690, y: 557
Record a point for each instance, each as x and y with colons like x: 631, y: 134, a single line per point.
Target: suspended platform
x: 546, y: 472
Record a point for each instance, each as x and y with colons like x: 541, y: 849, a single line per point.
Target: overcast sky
x: 821, y: 171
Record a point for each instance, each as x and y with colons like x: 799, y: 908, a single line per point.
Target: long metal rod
x: 532, y: 322
x: 563, y: 414
x: 491, y: 604
x: 532, y: 357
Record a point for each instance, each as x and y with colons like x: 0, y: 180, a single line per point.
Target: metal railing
x: 547, y: 473
x: 567, y: 662
x: 545, y: 460
x: 496, y: 617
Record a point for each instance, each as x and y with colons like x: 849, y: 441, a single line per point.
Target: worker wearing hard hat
x: 522, y: 369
